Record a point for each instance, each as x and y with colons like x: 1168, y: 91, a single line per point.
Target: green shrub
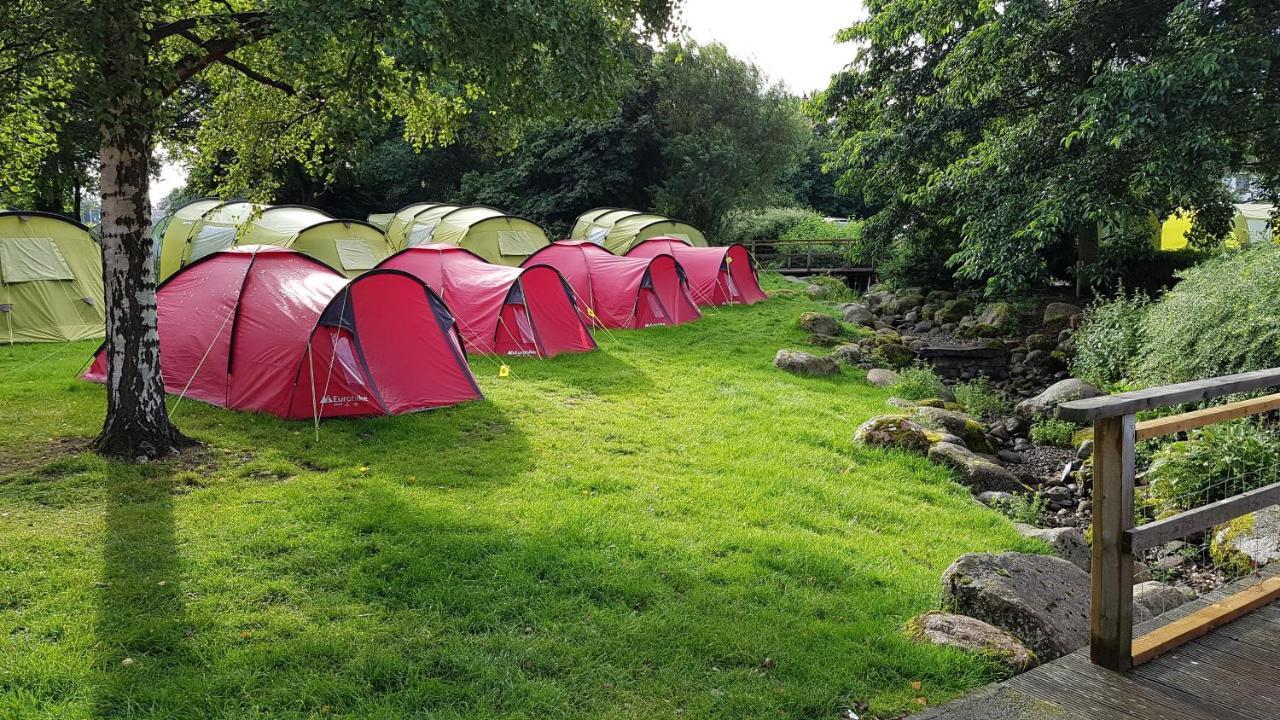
x: 979, y: 398
x: 837, y: 290
x: 917, y: 383
x: 763, y: 224
x: 813, y: 227
x: 1213, y: 463
x: 1109, y: 339
x: 1223, y: 318
x: 1052, y: 431
x: 1025, y: 509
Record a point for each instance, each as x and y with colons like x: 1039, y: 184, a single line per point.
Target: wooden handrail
x: 1115, y: 539
x: 1106, y: 406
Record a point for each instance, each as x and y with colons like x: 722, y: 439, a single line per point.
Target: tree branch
x: 218, y: 48
x: 179, y: 27
x: 256, y: 76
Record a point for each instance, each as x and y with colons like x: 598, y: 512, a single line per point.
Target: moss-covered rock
x: 1040, y: 341
x: 818, y: 324
x: 955, y: 423
x: 803, y: 363
x: 1249, y: 541
x: 896, y: 355
x: 847, y: 354
x: 894, y: 431
x: 998, y: 315
x: 953, y: 311
x: 979, y: 330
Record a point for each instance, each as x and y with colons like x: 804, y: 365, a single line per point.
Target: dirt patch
x: 36, y: 456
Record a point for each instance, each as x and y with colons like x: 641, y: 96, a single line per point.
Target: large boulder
x: 819, y: 324
x: 1041, y: 600
x: 1249, y: 541
x: 1158, y: 598
x: 1067, y: 543
x: 978, y: 474
x: 1057, y: 393
x: 957, y: 423
x: 859, y: 315
x: 847, y: 353
x: 1060, y: 313
x: 998, y: 315
x: 817, y: 292
x: 895, y: 431
x: 895, y: 354
x: 881, y: 377
x: 953, y: 311
x: 803, y: 363
x: 972, y: 635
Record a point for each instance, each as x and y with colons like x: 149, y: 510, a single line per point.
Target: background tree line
x: 696, y: 133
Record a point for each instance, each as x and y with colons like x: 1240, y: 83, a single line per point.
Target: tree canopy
x: 264, y: 82
x: 990, y: 135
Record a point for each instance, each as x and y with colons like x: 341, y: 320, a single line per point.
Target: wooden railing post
x: 1111, y: 616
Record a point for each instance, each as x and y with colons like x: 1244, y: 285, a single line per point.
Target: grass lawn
x: 666, y: 528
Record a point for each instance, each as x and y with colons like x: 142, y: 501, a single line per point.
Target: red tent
x: 267, y: 329
x: 621, y: 292
x: 504, y: 310
x: 717, y: 275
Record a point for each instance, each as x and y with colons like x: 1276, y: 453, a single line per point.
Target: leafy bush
x: 763, y: 224
x: 1109, y: 339
x: 1213, y: 463
x: 1223, y: 318
x: 813, y: 227
x: 917, y: 383
x: 837, y: 290
x: 1052, y: 431
x: 979, y: 398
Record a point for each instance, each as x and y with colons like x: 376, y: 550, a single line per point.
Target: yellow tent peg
x: 504, y: 371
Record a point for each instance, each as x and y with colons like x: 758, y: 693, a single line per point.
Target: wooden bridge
x: 1216, y: 658
x: 811, y: 257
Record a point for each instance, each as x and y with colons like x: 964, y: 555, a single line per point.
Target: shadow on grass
x: 142, y: 621
x: 600, y: 372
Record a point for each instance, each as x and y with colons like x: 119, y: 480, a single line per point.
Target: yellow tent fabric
x: 1251, y: 224
x: 381, y: 220
x: 584, y: 222
x: 173, y: 232
x: 400, y: 222
x: 620, y: 230
x: 50, y: 279
x: 422, y: 225
x: 214, y: 228
x: 349, y: 246
x: 493, y: 235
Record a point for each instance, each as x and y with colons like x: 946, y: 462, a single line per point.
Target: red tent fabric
x: 717, y: 275
x: 503, y: 310
x: 621, y: 292
x: 271, y: 330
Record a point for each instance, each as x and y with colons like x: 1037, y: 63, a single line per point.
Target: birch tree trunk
x: 137, y: 422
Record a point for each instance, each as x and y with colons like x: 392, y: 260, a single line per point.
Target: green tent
x: 419, y: 229
x: 201, y: 228
x: 50, y: 279
x: 402, y: 221
x: 381, y: 220
x: 348, y: 246
x: 620, y: 230
x: 493, y: 235
x: 169, y: 236
x: 583, y: 224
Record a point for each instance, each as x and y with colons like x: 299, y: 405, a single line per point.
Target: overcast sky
x: 792, y: 41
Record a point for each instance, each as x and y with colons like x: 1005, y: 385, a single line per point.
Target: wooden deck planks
x: 1232, y: 673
